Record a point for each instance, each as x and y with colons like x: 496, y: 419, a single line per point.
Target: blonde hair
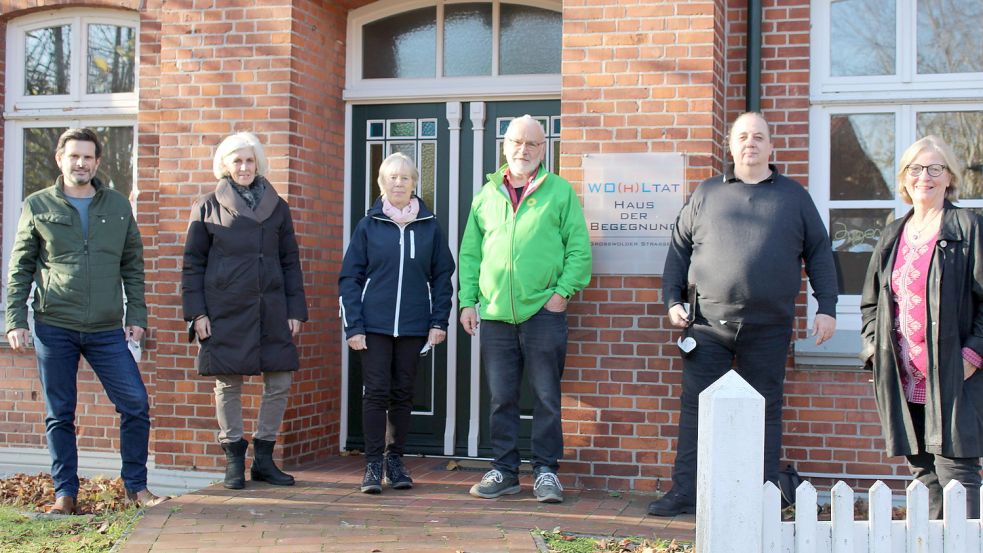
x: 393, y: 163
x: 233, y: 143
x: 935, y: 144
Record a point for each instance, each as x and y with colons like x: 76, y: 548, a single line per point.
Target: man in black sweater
x: 739, y: 242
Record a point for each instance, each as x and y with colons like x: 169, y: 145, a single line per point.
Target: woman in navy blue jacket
x: 396, y: 290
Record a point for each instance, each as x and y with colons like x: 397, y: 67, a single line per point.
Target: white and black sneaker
x: 372, y: 481
x: 546, y: 487
x: 495, y: 484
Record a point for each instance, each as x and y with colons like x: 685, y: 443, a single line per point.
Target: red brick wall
x: 637, y: 77
x: 275, y: 70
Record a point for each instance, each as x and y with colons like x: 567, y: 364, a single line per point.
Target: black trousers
x: 761, y: 352
x: 388, y: 375
x: 936, y: 471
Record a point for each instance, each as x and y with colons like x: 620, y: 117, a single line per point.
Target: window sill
x: 838, y: 353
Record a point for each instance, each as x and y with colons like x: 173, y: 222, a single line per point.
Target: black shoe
x: 546, y: 487
x: 672, y: 504
x: 235, y: 464
x: 396, y: 474
x: 264, y: 469
x: 494, y: 484
x: 372, y: 481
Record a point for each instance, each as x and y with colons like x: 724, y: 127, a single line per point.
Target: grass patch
x: 22, y: 532
x: 565, y: 542
x: 24, y: 528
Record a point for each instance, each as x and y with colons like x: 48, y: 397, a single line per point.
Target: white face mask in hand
x: 686, y: 343
x: 135, y: 350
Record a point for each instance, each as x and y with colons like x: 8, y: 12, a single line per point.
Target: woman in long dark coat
x: 243, y: 293
x: 922, y: 310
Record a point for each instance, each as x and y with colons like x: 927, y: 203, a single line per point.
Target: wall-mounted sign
x: 631, y: 202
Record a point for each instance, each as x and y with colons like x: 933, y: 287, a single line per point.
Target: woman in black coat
x: 922, y: 310
x: 243, y: 293
x: 396, y: 290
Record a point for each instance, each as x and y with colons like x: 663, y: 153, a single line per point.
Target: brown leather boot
x: 64, y: 505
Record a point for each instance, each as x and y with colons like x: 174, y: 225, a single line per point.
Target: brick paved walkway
x: 326, y: 512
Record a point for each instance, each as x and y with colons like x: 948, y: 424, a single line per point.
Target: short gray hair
x: 394, y: 162
x: 235, y: 142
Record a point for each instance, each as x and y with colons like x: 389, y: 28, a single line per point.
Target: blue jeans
x: 58, y: 352
x: 761, y: 352
x: 537, y: 347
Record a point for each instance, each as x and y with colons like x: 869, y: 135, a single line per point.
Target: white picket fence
x: 735, y: 513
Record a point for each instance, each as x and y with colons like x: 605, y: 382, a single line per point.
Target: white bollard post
x: 730, y: 469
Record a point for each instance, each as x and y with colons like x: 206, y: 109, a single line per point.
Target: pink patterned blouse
x: 909, y: 281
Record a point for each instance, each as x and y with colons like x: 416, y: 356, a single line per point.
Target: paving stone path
x: 325, y: 512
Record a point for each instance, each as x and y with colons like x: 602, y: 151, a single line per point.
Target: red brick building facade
x: 635, y: 76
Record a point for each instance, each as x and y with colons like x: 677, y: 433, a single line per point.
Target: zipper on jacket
x: 399, y: 283
x: 515, y: 219
x: 430, y: 298
x: 412, y: 245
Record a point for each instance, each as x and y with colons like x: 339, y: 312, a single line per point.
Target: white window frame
x: 439, y: 88
x: 904, y: 94
x: 76, y: 109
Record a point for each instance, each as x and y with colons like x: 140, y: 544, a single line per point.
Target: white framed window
x: 436, y: 48
x: 885, y: 73
x: 67, y: 68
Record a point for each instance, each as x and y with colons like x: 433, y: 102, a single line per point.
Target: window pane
x: 861, y: 165
x: 375, y: 161
x: 855, y: 233
x: 112, y: 57
x: 40, y: 169
x: 963, y: 130
x: 428, y: 174
x: 406, y: 148
x: 467, y: 39
x: 862, y: 37
x: 949, y: 37
x: 116, y: 166
x: 404, y: 45
x: 47, y: 61
x: 529, y: 40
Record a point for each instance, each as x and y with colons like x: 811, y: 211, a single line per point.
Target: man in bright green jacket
x: 78, y: 244
x: 525, y: 252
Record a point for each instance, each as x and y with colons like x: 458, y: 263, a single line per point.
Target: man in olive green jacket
x: 524, y: 253
x: 78, y: 244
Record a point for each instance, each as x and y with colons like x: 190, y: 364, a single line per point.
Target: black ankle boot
x: 264, y: 469
x: 235, y: 464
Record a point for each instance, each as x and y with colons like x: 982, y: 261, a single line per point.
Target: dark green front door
x: 423, y: 131
x: 419, y: 131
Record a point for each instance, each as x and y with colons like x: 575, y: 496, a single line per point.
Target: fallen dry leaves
x: 96, y: 495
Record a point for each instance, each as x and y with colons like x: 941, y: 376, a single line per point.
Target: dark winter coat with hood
x: 242, y: 270
x: 396, y: 280
x: 953, y: 406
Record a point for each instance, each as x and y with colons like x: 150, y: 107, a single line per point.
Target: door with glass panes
x: 445, y: 139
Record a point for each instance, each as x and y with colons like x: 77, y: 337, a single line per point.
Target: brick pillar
x: 276, y: 70
x: 642, y: 76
